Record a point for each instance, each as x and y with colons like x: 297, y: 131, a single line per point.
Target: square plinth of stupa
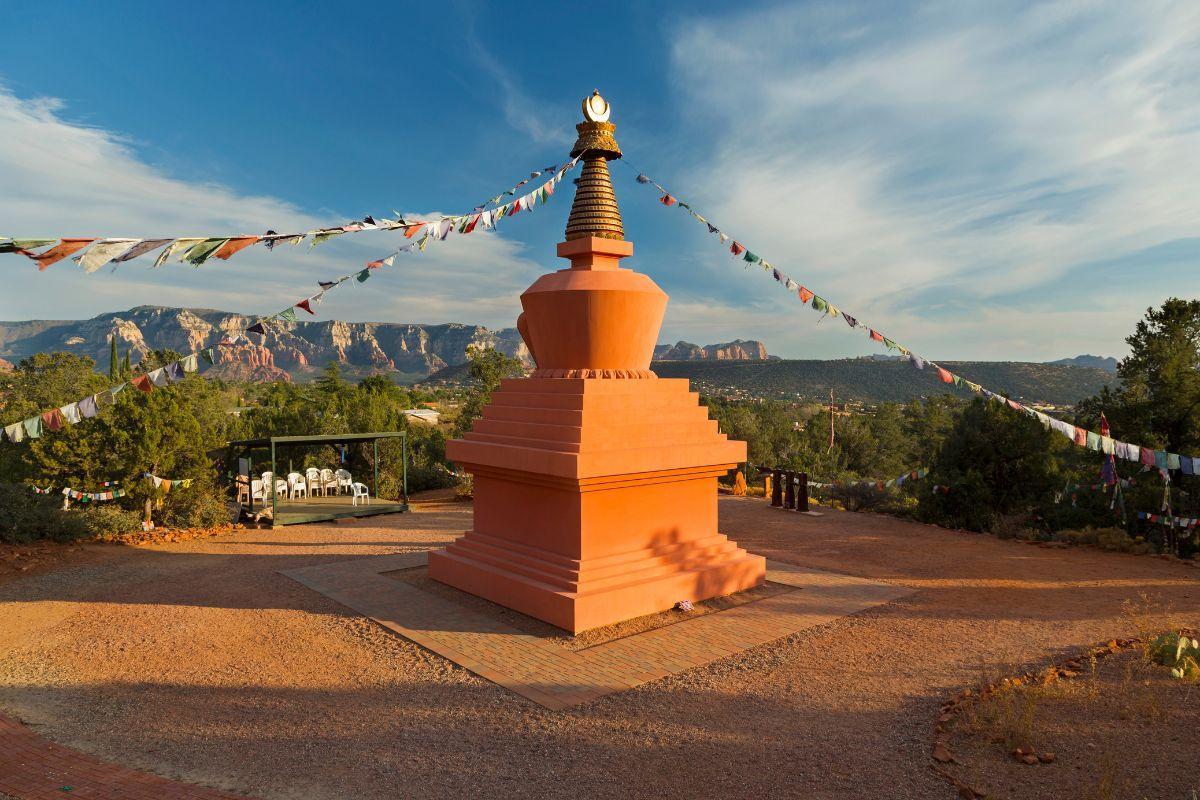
x: 595, y: 501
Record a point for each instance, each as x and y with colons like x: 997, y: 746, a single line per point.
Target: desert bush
x: 1179, y: 653
x: 857, y: 496
x: 1085, y: 536
x: 106, y: 521
x: 25, y: 516
x: 1119, y: 541
x: 196, y: 506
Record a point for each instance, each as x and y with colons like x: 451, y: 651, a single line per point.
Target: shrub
x: 1180, y: 653
x: 25, y: 516
x: 1118, y: 540
x: 197, y: 506
x: 857, y: 496
x: 1072, y: 536
x: 106, y: 521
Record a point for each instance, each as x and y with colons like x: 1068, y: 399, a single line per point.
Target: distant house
x: 426, y: 415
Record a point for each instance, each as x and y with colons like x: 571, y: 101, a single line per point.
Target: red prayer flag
x: 1081, y: 437
x: 1147, y: 456
x: 945, y: 375
x: 667, y: 200
x: 234, y: 245
x: 143, y: 382
x: 876, y: 335
x: 471, y: 225
x: 411, y: 230
x: 805, y: 295
x: 60, y: 251
x: 52, y: 420
x: 305, y: 305
x: 736, y: 249
x: 374, y: 264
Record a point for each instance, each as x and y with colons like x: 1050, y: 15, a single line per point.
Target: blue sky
x: 978, y: 180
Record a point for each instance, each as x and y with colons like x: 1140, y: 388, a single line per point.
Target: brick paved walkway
x: 558, y: 678
x: 32, y: 768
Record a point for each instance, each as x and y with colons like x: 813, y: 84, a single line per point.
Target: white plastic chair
x: 328, y: 481
x: 358, y: 490
x: 313, y: 476
x: 257, y: 490
x: 281, y: 487
x: 344, y: 481
x: 296, y: 485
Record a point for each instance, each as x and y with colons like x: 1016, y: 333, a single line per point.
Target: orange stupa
x: 595, y: 480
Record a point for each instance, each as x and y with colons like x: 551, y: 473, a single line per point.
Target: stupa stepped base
x: 580, y: 595
x: 595, y: 501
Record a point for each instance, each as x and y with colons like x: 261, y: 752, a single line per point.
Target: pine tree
x: 126, y: 368
x: 113, y: 364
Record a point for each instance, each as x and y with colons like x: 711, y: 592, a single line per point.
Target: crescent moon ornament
x: 595, y: 108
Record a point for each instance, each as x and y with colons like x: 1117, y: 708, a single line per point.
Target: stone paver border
x: 557, y: 678
x: 33, y: 768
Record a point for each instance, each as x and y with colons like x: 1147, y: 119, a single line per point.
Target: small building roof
x: 336, y: 438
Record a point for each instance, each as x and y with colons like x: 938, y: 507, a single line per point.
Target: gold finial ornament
x: 594, y: 211
x: 595, y: 108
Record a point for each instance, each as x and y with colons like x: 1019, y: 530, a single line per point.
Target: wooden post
x: 802, y: 491
x: 776, y: 488
x: 274, y: 499
x: 404, y: 462
x: 789, y: 493
x: 375, y: 462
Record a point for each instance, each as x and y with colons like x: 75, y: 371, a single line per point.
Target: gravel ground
x: 197, y: 661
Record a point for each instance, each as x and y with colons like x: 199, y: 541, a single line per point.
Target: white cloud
x: 949, y: 156
x: 67, y: 179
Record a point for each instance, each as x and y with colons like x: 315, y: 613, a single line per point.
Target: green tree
x: 996, y: 461
x: 488, y: 366
x: 114, y: 364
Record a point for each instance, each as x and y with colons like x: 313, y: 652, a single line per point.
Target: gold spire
x: 594, y: 211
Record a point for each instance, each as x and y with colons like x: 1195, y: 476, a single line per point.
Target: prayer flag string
x: 92, y: 253
x: 73, y: 413
x: 1163, y: 460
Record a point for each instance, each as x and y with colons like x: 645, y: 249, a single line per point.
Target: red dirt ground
x: 197, y: 660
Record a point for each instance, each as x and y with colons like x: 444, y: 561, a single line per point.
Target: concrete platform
x: 557, y: 678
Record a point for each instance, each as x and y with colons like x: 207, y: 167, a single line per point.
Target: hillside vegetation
x: 875, y: 381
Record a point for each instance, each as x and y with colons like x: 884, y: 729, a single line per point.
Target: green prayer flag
x: 207, y: 354
x: 24, y: 244
x: 818, y: 303
x: 289, y: 314
x: 199, y: 253
x: 889, y: 343
x: 33, y: 427
x: 1093, y: 441
x: 322, y: 236
x: 362, y: 277
x: 751, y: 257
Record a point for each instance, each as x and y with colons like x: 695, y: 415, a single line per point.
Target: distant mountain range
x: 295, y: 350
x: 1106, y: 363
x: 737, y: 350
x: 409, y: 352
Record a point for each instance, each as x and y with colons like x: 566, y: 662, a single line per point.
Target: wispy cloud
x: 934, y: 158
x: 62, y: 178
x: 520, y: 111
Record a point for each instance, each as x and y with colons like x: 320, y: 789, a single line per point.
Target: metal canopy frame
x: 274, y: 443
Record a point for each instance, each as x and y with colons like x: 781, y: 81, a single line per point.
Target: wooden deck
x: 323, y: 509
